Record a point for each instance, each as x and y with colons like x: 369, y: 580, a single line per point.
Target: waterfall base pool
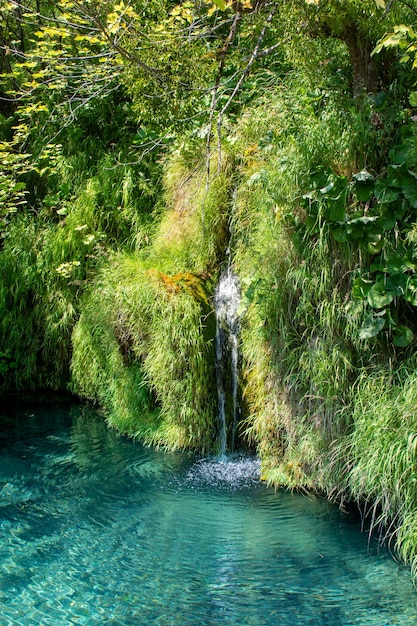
x: 95, y: 529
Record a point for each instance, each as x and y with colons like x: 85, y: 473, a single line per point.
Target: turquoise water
x: 95, y: 529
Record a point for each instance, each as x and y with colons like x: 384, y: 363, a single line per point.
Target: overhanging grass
x: 143, y: 350
x: 377, y: 460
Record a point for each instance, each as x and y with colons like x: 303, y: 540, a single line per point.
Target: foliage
x: 296, y: 343
x: 403, y: 38
x: 193, y: 231
x: 377, y: 460
x: 67, y: 66
x: 376, y: 217
x: 88, y: 206
x: 140, y: 142
x: 141, y: 345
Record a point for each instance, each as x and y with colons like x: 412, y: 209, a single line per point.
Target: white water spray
x: 226, y: 303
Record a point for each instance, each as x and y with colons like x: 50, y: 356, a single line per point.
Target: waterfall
x: 226, y: 302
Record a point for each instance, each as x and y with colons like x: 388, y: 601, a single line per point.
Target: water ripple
x: 117, y: 534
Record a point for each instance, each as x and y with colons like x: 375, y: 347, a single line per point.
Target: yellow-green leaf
x: 221, y: 4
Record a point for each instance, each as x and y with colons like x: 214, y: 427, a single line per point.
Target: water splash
x: 234, y: 472
x: 226, y: 303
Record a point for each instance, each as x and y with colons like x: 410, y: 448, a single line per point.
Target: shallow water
x: 95, y: 529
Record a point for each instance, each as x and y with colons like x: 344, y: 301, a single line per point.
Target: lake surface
x: 95, y: 529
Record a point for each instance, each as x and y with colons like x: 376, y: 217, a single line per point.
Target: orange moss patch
x: 194, y: 284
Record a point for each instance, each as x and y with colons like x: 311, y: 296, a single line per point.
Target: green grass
x: 84, y: 209
x: 143, y: 346
x: 143, y: 349
x: 376, y: 460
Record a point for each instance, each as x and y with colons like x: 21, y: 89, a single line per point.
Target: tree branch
x: 222, y: 56
x: 255, y: 55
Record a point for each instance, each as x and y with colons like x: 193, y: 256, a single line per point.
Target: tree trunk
x: 364, y: 72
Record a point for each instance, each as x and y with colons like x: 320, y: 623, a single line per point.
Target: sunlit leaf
x: 361, y: 287
x: 363, y: 185
x: 371, y: 327
x: 411, y: 291
x: 363, y: 176
x: 376, y: 245
x: 327, y: 188
x: 221, y: 4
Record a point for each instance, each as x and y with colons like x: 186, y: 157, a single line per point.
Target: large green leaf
x: 388, y: 222
x: 363, y: 177
x: 361, y: 287
x: 335, y: 210
x: 336, y: 187
x: 364, y: 219
x: 410, y: 192
x: 363, y: 185
x: 397, y: 284
x: 403, y: 336
x: 385, y: 192
x: 340, y: 234
x: 371, y: 326
x: 400, y: 153
x: 329, y: 187
x: 375, y: 245
x: 411, y: 291
x: 378, y: 297
x: 400, y: 176
x: 319, y: 178
x: 355, y: 231
x: 395, y: 263
x: 399, y: 263
x: 365, y: 228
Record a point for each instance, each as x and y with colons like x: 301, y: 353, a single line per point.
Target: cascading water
x: 226, y: 303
